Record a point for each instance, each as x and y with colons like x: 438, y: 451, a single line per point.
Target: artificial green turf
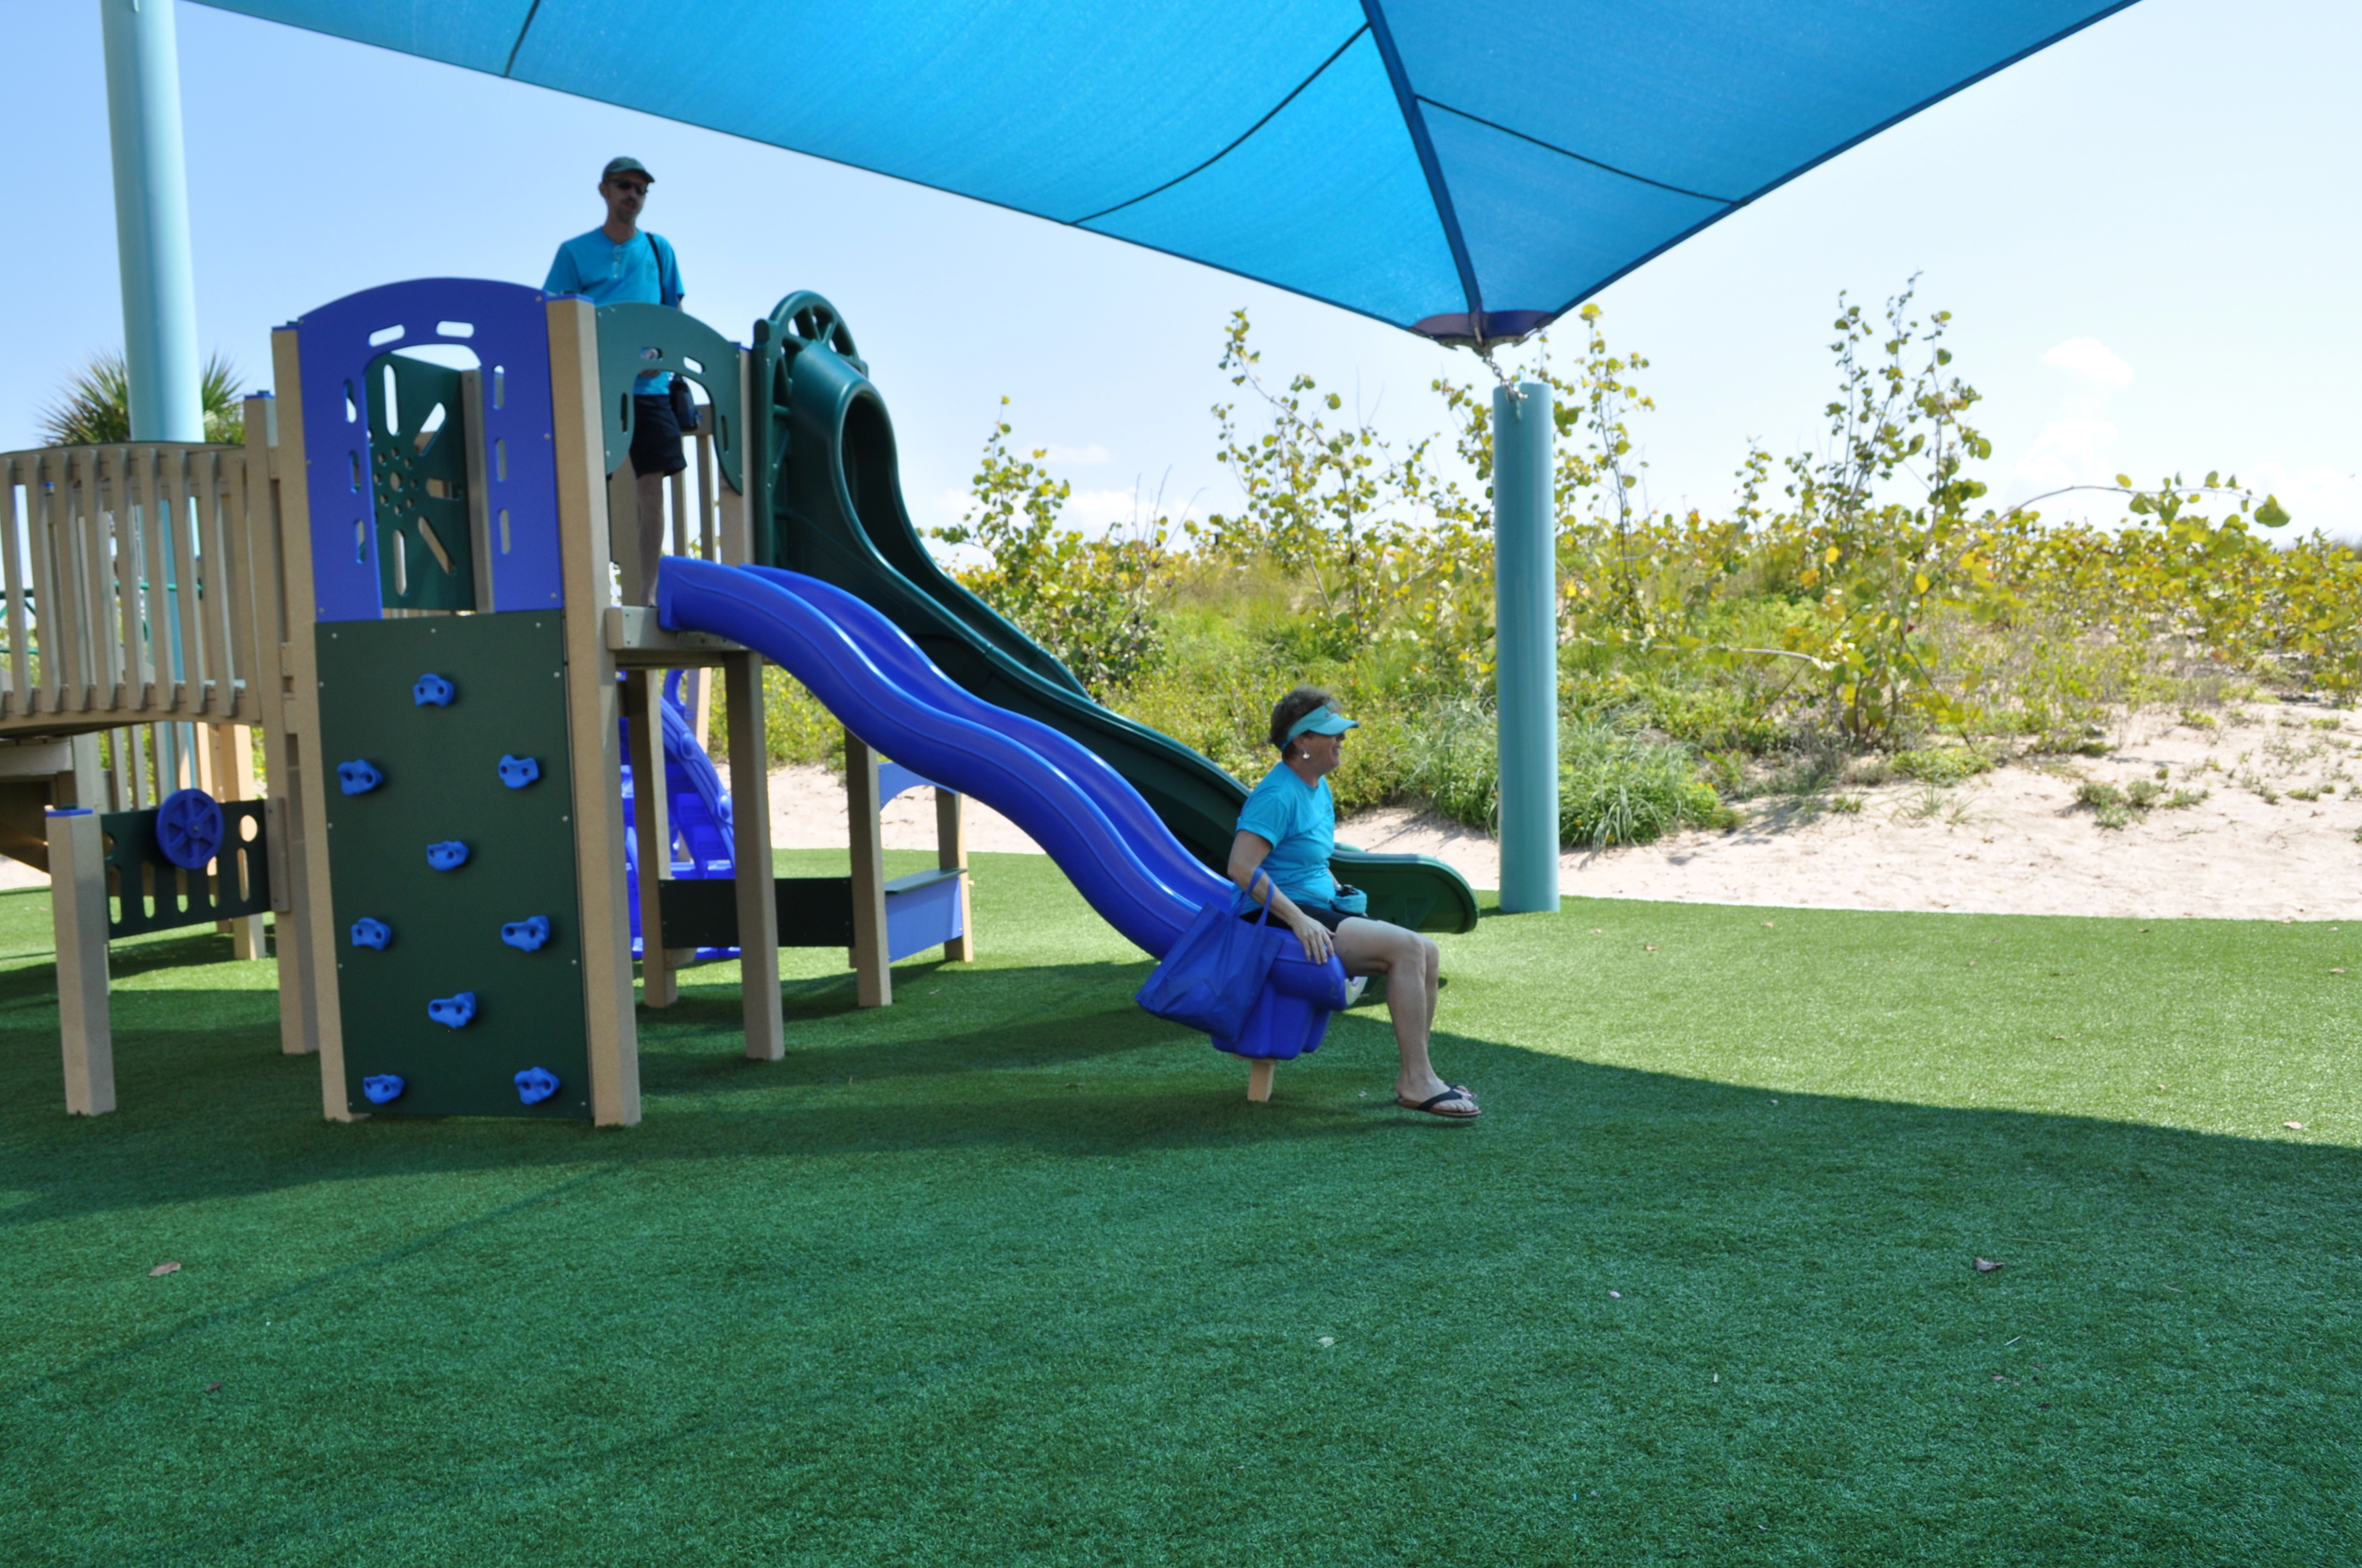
x: 1012, y: 1273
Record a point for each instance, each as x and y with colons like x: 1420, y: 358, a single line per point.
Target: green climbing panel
x: 419, y: 479
x: 441, y: 771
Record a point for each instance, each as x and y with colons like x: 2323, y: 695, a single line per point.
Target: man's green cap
x: 1321, y: 721
x: 625, y: 166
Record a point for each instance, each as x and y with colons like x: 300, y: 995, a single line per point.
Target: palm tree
x: 94, y: 407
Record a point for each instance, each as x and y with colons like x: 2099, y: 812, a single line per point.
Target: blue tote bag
x: 1214, y: 975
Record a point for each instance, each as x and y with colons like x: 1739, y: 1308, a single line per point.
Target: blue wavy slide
x: 1102, y: 834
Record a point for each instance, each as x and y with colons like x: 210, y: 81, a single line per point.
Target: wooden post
x: 78, y: 895
x: 233, y: 771
x: 622, y: 521
x: 1258, y: 1077
x: 873, y: 975
x: 591, y: 710
x: 652, y: 829
x: 951, y: 855
x: 273, y: 615
x: 750, y: 833
x: 296, y: 767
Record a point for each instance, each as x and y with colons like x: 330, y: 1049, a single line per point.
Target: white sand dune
x: 2012, y: 841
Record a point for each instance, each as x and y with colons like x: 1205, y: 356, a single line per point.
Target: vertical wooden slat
x: 18, y: 703
x: 160, y: 567
x: 215, y: 695
x: 591, y: 712
x: 255, y: 586
x: 750, y: 835
x: 78, y: 898
x: 873, y: 972
x: 680, y: 532
x: 47, y: 611
x: 114, y: 581
x: 140, y: 737
x: 84, y: 536
x: 181, y: 634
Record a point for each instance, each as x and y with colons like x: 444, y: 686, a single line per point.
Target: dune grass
x: 1011, y: 1274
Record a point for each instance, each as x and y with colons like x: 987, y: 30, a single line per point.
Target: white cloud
x: 1077, y: 456
x: 2091, y: 360
x: 2316, y: 496
x: 2071, y: 451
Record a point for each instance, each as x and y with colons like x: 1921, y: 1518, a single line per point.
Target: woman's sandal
x: 1433, y: 1104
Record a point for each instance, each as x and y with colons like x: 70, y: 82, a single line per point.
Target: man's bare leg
x: 651, y: 535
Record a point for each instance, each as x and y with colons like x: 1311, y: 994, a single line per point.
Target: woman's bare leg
x: 1412, y: 966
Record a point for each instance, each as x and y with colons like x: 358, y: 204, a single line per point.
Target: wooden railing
x: 131, y: 587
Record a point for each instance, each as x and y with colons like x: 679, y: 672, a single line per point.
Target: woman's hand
x: 1318, y: 944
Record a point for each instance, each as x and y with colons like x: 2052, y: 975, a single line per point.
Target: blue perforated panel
x: 508, y: 332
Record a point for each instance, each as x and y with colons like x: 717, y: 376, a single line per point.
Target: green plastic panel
x: 442, y: 782
x: 635, y: 339
x: 168, y: 897
x: 419, y: 479
x: 835, y: 501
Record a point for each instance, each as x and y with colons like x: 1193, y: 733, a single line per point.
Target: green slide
x: 822, y: 469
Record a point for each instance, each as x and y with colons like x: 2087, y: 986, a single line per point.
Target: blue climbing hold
x: 189, y: 828
x: 536, y: 1085
x: 453, y: 1012
x: 383, y: 1088
x: 358, y: 778
x: 449, y: 855
x: 527, y: 935
x: 372, y: 933
x: 432, y: 691
x: 518, y: 771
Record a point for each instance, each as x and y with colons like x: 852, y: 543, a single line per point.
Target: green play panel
x: 441, y: 769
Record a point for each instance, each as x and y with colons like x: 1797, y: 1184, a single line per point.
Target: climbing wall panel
x: 451, y: 834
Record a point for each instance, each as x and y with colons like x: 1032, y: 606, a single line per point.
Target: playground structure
x: 481, y: 799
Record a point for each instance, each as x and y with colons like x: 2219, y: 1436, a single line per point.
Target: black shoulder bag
x: 684, y: 405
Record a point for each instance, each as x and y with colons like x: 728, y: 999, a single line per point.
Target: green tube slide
x: 822, y: 469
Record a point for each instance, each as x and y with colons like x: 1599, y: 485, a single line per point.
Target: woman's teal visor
x: 1321, y: 721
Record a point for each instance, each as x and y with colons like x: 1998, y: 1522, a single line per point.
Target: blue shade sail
x: 1466, y: 168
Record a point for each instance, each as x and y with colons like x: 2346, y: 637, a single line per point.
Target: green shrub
x: 1942, y: 764
x: 1615, y: 787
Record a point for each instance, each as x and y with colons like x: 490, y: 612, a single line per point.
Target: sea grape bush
x: 1860, y: 594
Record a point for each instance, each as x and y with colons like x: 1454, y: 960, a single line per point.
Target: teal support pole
x: 152, y: 220
x: 1525, y: 595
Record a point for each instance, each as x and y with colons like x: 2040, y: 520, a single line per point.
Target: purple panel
x: 510, y: 340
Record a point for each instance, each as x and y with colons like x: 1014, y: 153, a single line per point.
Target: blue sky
x: 2148, y: 235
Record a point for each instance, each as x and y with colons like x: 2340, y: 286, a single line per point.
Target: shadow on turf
x: 1053, y: 1060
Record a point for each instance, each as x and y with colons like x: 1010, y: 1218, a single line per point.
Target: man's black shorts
x: 655, y: 436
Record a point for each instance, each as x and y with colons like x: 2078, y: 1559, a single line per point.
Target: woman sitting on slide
x: 1288, y: 831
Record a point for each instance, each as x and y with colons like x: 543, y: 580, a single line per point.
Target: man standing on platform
x: 621, y: 262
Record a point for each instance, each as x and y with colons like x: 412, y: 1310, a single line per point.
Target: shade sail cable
x: 1563, y: 152
x: 1439, y: 192
x: 1250, y: 131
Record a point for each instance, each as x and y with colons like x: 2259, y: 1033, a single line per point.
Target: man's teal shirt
x: 632, y: 272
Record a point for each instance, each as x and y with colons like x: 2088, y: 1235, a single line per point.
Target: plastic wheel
x: 189, y: 828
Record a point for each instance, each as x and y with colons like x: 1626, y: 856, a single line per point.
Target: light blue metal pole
x: 1525, y: 594
x: 152, y: 220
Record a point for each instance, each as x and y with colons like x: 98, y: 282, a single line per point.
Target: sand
x: 2010, y: 841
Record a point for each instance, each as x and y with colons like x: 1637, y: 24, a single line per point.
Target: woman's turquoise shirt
x: 1299, y: 822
